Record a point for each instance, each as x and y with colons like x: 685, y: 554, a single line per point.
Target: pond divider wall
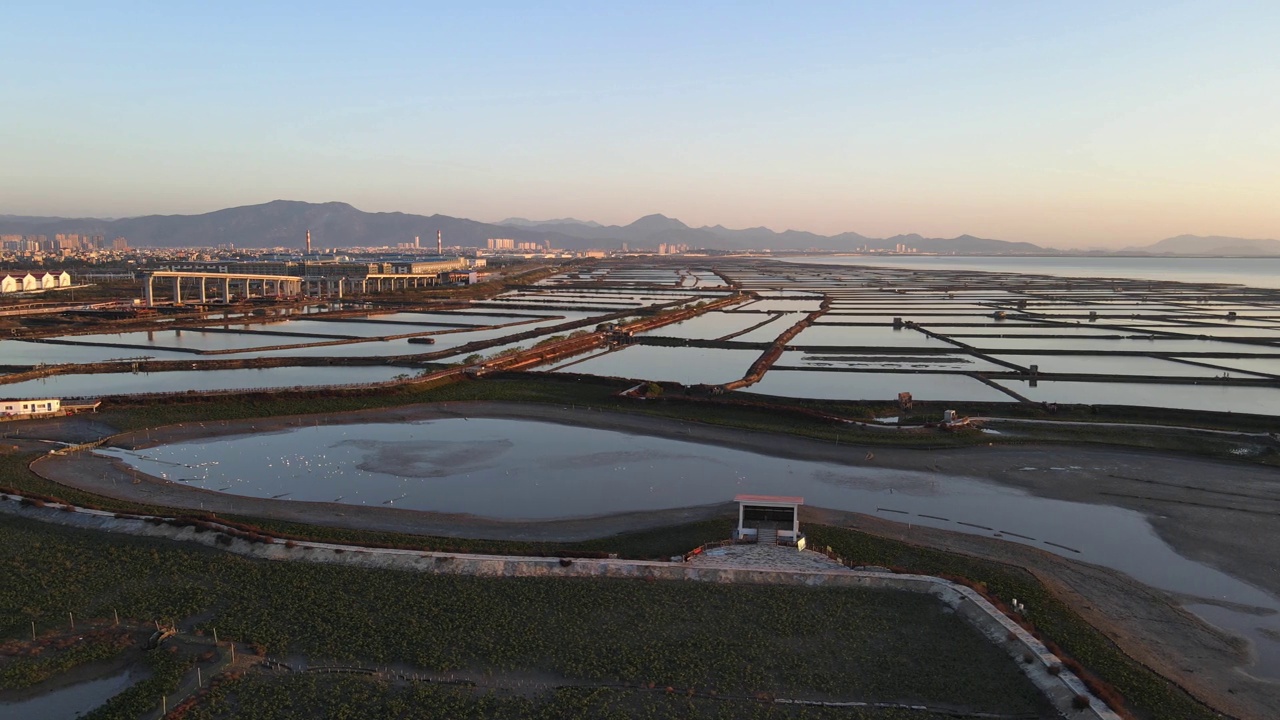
x: 775, y: 349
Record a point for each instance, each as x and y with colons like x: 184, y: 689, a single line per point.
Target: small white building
x: 11, y: 409
x: 769, y: 518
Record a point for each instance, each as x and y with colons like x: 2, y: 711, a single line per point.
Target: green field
x: 835, y: 644
x: 303, y: 697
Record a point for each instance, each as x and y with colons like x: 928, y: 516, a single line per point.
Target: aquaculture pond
x: 95, y: 385
x: 875, y: 386
x: 1263, y: 365
x: 1119, y: 365
x: 853, y: 336
x: 688, y: 366
x: 1216, y: 398
x: 22, y: 352
x: 193, y: 339
x: 345, y: 328
x: 711, y: 325
x: 522, y: 470
x: 885, y: 361
x: 1136, y: 343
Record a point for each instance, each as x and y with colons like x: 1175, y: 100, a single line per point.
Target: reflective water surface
x: 512, y: 470
x: 71, y: 701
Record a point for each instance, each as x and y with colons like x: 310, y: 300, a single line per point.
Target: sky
x: 1068, y: 124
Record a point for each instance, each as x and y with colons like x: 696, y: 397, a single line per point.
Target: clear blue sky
x: 1071, y: 124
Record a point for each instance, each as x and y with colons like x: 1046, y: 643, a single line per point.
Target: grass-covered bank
x: 145, y: 579
x: 304, y: 697
x: 786, y: 641
x: 1146, y: 693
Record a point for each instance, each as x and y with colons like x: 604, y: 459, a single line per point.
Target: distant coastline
x: 1259, y: 272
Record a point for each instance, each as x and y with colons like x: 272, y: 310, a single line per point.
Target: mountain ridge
x: 284, y: 223
x: 1212, y: 245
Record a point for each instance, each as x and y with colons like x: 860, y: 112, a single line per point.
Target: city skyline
x: 1068, y: 126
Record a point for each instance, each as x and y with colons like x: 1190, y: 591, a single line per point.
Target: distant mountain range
x: 284, y: 223
x: 1216, y: 245
x: 522, y: 222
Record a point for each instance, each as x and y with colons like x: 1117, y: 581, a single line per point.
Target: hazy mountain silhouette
x: 650, y: 230
x: 523, y: 222
x: 1211, y: 245
x: 284, y: 223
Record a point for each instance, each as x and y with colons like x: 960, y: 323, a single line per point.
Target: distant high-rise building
x: 502, y: 244
x: 120, y: 244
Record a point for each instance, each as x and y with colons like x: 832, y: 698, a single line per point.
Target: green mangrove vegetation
x: 303, y: 697
x: 818, y: 642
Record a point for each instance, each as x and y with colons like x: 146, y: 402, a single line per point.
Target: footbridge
x: 268, y: 284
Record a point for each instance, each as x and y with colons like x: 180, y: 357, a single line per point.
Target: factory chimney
x: 308, y: 242
x: 439, y: 242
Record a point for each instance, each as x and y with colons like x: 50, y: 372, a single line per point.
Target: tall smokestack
x: 308, y: 242
x: 439, y: 242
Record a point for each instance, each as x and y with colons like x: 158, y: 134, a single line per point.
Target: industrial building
x: 12, y: 281
x: 13, y: 409
x: 336, y: 276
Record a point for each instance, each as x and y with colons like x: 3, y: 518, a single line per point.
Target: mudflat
x: 1225, y: 514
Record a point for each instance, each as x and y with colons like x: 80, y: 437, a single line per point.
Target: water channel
x: 71, y: 701
x: 521, y: 470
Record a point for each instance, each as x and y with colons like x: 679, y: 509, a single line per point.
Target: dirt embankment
x: 1146, y: 623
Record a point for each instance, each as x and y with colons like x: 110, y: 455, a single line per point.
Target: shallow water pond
x: 97, y: 385
x: 71, y: 701
x: 1116, y: 365
x: 688, y: 366
x: 1218, y: 398
x: 875, y: 386
x: 845, y: 336
x: 513, y: 470
x: 710, y: 326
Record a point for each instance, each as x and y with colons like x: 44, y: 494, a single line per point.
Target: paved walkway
x: 766, y: 557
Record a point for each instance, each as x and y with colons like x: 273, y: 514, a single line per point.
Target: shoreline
x: 1214, y: 512
x: 1147, y: 622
